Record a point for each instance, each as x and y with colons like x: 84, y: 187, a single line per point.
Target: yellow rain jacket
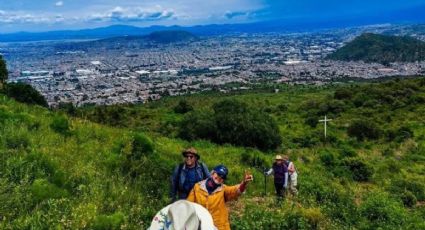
x: 215, y: 202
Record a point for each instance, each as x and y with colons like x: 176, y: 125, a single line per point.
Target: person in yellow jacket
x: 213, y: 194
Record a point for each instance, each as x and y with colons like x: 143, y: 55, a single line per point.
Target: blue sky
x: 45, y: 15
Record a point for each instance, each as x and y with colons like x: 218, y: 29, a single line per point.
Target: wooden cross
x: 325, y: 121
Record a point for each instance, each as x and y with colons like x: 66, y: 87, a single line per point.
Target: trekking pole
x: 265, y: 182
x: 262, y: 171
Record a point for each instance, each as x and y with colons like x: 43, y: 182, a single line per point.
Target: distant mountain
x: 171, y: 36
x: 161, y: 37
x: 370, y: 47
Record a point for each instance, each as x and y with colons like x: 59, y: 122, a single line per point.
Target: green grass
x: 89, y: 177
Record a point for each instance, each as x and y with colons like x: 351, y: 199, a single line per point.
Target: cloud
x: 230, y: 15
x: 22, y: 17
x: 120, y: 14
x: 60, y: 3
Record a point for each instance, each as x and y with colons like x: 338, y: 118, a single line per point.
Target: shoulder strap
x: 179, y: 171
x: 204, y: 171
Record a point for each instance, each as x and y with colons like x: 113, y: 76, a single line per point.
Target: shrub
x: 359, y: 169
x: 328, y: 159
x: 183, y: 107
x: 25, y: 93
x: 60, y: 125
x: 408, y: 198
x: 413, y: 185
x: 381, y: 210
x: 312, y: 121
x: 343, y: 93
x: 347, y: 151
x: 306, y: 141
x: 105, y: 222
x: 17, y: 141
x: 254, y: 159
x: 69, y: 108
x: 141, y: 145
x: 42, y: 189
x: 363, y: 129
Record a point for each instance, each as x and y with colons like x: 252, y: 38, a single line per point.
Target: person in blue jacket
x: 187, y: 174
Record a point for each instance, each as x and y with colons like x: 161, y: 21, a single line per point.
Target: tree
x: 3, y: 72
x: 25, y: 93
x: 232, y: 122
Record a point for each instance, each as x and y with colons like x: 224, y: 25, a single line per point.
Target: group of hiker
x: 199, y: 196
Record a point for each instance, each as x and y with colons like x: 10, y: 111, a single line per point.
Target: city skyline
x: 46, y: 15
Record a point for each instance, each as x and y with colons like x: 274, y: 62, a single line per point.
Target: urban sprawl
x: 112, y: 72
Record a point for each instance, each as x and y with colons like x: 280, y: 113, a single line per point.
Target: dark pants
x: 280, y: 190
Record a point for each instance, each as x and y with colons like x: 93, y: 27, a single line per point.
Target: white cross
x: 325, y: 123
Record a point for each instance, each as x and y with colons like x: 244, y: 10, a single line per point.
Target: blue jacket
x: 177, y: 181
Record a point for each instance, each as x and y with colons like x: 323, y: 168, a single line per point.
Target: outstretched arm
x: 267, y: 173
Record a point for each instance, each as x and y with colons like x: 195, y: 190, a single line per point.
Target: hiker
x: 182, y: 215
x: 186, y: 174
x: 280, y: 173
x: 293, y: 175
x: 212, y: 193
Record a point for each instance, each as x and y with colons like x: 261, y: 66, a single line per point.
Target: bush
x: 141, y: 146
x: 60, y: 125
x: 17, y: 141
x: 413, y: 185
x: 254, y: 159
x: 42, y: 189
x: 382, y: 211
x: 408, y: 198
x: 347, y: 151
x: 111, y: 222
x: 359, y: 169
x: 343, y: 93
x: 328, y: 159
x: 306, y: 141
x: 69, y: 108
x: 25, y: 93
x: 363, y: 129
x: 183, y: 107
x: 312, y: 121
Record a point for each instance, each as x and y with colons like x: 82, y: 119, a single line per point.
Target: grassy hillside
x: 108, y: 167
x: 370, y: 47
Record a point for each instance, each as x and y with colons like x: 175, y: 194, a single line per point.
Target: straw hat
x: 278, y: 157
x: 191, y: 150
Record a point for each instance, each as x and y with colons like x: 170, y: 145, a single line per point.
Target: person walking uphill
x: 280, y: 171
x: 293, y: 176
x: 213, y: 194
x: 186, y: 174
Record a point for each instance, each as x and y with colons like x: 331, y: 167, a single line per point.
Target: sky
x: 47, y: 15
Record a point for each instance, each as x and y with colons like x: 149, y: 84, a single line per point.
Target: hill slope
x: 70, y: 173
x: 370, y: 47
